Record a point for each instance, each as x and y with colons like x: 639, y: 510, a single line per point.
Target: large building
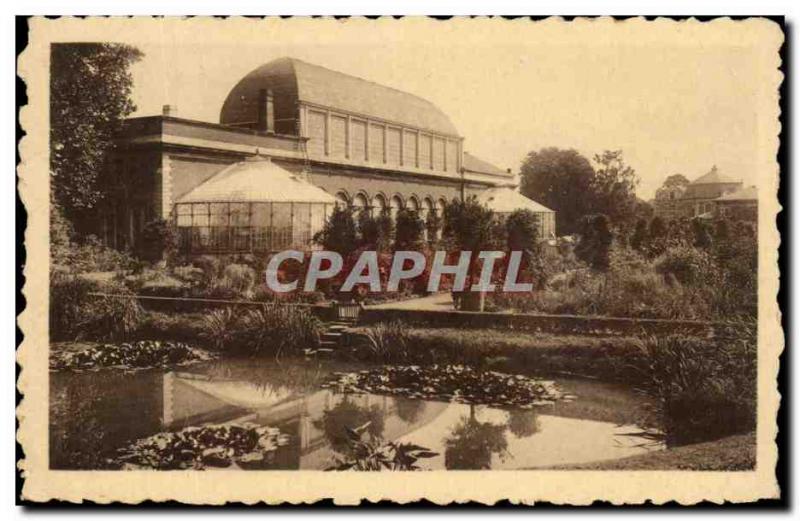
x: 707, y: 196
x: 293, y: 140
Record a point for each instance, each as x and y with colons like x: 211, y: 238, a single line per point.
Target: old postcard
x: 285, y: 260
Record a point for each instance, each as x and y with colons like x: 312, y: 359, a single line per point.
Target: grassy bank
x: 607, y: 358
x: 732, y: 453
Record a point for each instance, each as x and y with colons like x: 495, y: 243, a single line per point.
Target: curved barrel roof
x: 290, y: 78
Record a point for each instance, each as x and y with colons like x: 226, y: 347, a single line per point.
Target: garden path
x: 435, y: 302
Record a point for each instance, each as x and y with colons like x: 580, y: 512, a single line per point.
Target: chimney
x: 266, y: 111
x: 169, y: 111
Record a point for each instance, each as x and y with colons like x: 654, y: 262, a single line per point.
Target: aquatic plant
x: 700, y: 389
x: 451, y: 383
x: 135, y: 355
x: 387, y: 341
x: 371, y: 453
x: 198, y: 448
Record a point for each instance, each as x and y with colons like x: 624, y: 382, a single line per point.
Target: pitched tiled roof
x: 335, y: 90
x: 713, y: 177
x: 475, y: 164
x: 749, y: 193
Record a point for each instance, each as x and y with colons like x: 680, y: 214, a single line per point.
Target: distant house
x: 293, y: 140
x: 700, y: 198
x: 739, y: 205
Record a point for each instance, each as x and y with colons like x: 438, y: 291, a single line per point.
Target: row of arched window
x: 380, y: 203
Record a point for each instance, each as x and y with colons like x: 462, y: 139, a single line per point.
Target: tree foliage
x: 595, y: 243
x: 614, y: 188
x: 560, y: 180
x: 90, y: 95
x: 565, y: 181
x: 409, y: 230
x: 469, y: 225
x: 339, y: 232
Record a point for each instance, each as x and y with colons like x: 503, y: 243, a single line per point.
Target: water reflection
x: 471, y: 443
x: 93, y: 414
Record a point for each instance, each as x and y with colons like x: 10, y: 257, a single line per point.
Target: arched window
x: 379, y: 204
x: 360, y: 203
x: 427, y: 208
x: 341, y: 200
x: 413, y: 204
x: 395, y: 204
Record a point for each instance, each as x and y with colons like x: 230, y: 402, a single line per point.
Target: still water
x: 93, y: 414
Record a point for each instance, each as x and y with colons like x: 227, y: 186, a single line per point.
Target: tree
x: 522, y: 234
x: 614, y: 188
x: 595, y: 243
x: 675, y: 180
x: 562, y: 181
x: 640, y: 236
x: 374, y: 232
x: 701, y: 232
x: 339, y: 233
x: 657, y: 233
x: 90, y: 95
x: 470, y: 226
x: 158, y: 239
x: 408, y: 231
x: 433, y: 223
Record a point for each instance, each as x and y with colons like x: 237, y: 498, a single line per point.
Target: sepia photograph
x: 537, y: 252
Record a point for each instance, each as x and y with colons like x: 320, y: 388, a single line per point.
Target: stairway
x: 332, y: 336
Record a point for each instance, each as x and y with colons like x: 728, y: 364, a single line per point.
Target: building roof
x: 749, y: 193
x: 256, y: 180
x: 507, y: 200
x: 713, y: 177
x: 335, y: 90
x: 475, y: 164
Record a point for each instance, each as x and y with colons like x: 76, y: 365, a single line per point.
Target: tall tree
x: 614, y: 189
x: 90, y: 95
x: 562, y: 181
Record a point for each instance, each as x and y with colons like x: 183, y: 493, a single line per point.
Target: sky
x: 673, y: 103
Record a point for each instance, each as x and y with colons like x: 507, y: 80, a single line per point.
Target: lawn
x: 732, y: 453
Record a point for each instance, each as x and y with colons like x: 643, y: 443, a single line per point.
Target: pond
x: 94, y: 414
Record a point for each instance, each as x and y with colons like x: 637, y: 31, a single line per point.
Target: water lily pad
x: 198, y: 448
x: 455, y: 383
x: 143, y: 354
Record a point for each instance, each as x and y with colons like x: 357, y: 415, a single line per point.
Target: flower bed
x: 143, y: 354
x: 452, y: 383
x: 198, y: 448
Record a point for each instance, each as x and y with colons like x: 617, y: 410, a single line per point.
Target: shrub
x: 240, y: 278
x: 386, y: 341
x: 686, y: 264
x: 595, y: 242
x: 210, y: 267
x: 339, y: 232
x: 701, y: 390
x: 75, y: 314
x: 409, y: 230
x: 158, y: 239
x: 91, y: 255
x: 276, y: 329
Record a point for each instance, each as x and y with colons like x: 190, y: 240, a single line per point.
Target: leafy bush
x: 158, y: 240
x: 91, y: 255
x: 273, y: 329
x: 409, y: 230
x: 386, y: 342
x: 701, y: 389
x: 686, y: 264
x: 75, y: 314
x: 238, y: 277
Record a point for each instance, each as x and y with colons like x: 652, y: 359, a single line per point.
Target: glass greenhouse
x: 251, y: 206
